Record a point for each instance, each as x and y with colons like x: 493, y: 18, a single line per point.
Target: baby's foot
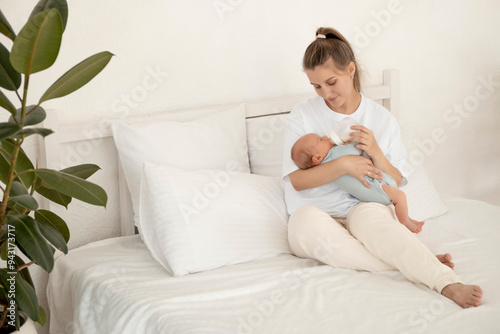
x: 418, y: 225
x: 464, y: 295
x: 413, y: 225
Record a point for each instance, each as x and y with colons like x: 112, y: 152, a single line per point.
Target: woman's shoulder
x: 377, y: 110
x: 309, y: 104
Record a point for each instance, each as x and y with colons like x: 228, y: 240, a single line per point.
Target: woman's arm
x: 367, y: 143
x: 316, y: 176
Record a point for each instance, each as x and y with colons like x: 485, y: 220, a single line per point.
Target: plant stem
x: 26, y: 265
x: 15, y: 153
x: 10, y: 179
x: 4, y: 315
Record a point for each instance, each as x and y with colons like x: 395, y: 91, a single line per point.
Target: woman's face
x: 333, y: 85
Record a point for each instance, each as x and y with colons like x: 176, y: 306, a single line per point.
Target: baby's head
x: 310, y: 150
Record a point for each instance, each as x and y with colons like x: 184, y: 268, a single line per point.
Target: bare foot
x: 446, y: 260
x: 413, y: 225
x: 418, y: 225
x: 464, y: 295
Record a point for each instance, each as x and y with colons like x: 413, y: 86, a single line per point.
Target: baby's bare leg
x: 398, y: 198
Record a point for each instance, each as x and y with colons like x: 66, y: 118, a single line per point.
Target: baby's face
x: 321, y: 144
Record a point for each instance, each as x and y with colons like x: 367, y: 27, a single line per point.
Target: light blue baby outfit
x: 352, y: 185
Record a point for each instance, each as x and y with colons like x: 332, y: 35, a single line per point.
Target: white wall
x: 179, y: 54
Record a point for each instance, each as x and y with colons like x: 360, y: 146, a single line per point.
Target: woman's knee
x: 307, y: 218
x: 366, y: 215
x: 305, y: 225
x: 367, y: 211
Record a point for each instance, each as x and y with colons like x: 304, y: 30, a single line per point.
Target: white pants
x: 372, y: 240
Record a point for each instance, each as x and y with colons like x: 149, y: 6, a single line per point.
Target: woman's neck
x: 350, y: 105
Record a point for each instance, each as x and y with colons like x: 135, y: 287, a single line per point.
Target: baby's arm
x: 374, y: 193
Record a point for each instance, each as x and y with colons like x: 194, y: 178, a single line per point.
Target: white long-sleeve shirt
x: 314, y: 116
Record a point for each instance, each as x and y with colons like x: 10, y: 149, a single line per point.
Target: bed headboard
x: 262, y: 115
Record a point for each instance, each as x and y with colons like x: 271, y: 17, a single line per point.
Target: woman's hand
x: 366, y: 140
x: 319, y: 175
x: 358, y: 167
x: 368, y: 143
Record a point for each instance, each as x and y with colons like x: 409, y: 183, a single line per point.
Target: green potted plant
x: 24, y: 226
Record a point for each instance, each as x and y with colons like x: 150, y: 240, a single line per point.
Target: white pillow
x: 217, y: 140
x: 193, y: 221
x: 423, y: 199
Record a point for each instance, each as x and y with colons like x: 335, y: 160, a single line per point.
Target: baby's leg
x: 398, y: 198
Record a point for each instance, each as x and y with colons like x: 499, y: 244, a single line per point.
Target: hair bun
x: 327, y: 36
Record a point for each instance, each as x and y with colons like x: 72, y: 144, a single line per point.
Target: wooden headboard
x: 386, y: 93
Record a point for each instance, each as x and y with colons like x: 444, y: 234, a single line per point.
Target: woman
x: 328, y: 224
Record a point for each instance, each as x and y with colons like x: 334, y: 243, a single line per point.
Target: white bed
x: 117, y: 286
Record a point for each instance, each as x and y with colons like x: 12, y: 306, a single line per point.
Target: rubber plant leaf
x: 37, y: 45
x: 54, y: 220
x: 34, y: 115
x: 5, y: 27
x: 78, y: 76
x: 31, y: 242
x: 10, y: 79
x: 60, y: 5
x: 73, y: 186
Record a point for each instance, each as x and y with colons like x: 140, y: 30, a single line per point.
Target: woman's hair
x: 331, y: 44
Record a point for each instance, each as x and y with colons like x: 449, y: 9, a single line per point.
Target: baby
x: 311, y: 150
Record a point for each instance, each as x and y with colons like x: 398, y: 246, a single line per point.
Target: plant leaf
x: 6, y: 104
x: 25, y: 273
x: 9, y: 78
x: 20, y: 195
x: 27, y: 300
x: 33, y: 131
x: 3, y: 249
x: 54, y: 196
x: 5, y: 27
x: 8, y: 129
x: 54, y: 220
x: 73, y: 186
x: 37, y: 45
x: 60, y: 5
x: 34, y: 115
x: 31, y: 242
x: 52, y: 235
x: 25, y: 295
x: 78, y: 76
x: 23, y: 164
x: 42, y: 316
x: 82, y: 171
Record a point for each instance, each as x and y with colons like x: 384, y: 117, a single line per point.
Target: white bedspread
x: 114, y: 286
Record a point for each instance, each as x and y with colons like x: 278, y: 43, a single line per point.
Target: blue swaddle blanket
x: 353, y: 186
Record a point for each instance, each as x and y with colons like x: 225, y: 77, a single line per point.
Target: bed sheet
x: 114, y: 286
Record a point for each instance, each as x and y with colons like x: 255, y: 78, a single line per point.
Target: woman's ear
x: 351, y: 68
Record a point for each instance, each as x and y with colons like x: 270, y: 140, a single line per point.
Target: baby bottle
x: 340, y: 133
